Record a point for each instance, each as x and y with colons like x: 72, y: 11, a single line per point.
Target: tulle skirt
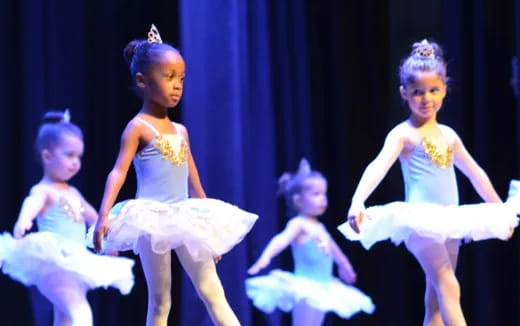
x: 397, y: 221
x: 282, y: 290
x: 33, y: 258
x: 206, y: 227
x: 513, y: 197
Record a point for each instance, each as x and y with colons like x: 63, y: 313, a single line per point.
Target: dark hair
x: 140, y: 54
x: 290, y: 184
x: 53, y: 126
x: 425, y: 56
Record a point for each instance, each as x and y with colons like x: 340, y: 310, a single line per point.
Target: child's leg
x: 157, y: 271
x: 203, y: 275
x: 438, y: 262
x: 303, y: 315
x: 432, y: 312
x: 69, y: 298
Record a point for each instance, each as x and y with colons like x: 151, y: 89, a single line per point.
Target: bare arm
x: 116, y: 178
x: 373, y: 174
x: 278, y: 243
x: 345, y: 270
x: 32, y: 207
x: 196, y: 189
x: 478, y: 177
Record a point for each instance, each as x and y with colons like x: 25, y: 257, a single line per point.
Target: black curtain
x: 269, y: 82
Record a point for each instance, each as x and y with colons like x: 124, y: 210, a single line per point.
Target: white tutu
x: 206, y: 227
x: 513, y: 197
x: 398, y: 220
x: 282, y: 290
x: 32, y: 258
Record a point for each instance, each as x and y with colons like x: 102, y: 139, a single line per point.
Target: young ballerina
x: 162, y: 218
x: 429, y: 222
x: 55, y: 259
x: 311, y: 291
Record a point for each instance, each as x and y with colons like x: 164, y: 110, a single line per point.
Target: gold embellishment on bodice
x: 69, y: 210
x: 441, y: 159
x: 176, y: 157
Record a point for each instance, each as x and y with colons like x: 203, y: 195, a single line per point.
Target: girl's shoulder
x: 181, y: 128
x: 75, y: 191
x: 449, y: 134
x: 40, y: 189
x: 137, y: 129
x: 449, y: 131
x: 303, y: 222
x: 295, y: 220
x: 404, y: 133
x: 404, y: 127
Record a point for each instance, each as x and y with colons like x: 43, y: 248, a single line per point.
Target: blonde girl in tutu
x: 162, y: 217
x: 430, y: 222
x: 55, y: 258
x: 311, y: 290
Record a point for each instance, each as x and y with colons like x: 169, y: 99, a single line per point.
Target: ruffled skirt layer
x: 397, y: 221
x: 33, y: 258
x: 206, y: 227
x: 282, y: 290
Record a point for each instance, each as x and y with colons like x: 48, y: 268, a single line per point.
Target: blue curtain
x: 246, y: 107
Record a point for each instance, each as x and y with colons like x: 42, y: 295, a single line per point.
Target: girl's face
x: 425, y: 94
x: 164, y: 82
x: 63, y: 161
x: 312, y: 201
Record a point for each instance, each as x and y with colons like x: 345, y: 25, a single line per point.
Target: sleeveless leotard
x: 425, y: 181
x: 159, y: 178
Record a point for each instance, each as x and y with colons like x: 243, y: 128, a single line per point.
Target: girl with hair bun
x: 311, y: 291
x: 430, y: 222
x: 162, y: 218
x: 55, y: 258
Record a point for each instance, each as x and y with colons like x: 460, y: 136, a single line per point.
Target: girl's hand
x: 258, y: 266
x: 347, y: 275
x: 100, y: 233
x: 21, y: 227
x: 355, y: 216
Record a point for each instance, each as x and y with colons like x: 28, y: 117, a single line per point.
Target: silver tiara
x: 425, y: 50
x: 153, y: 35
x: 304, y: 167
x: 66, y: 116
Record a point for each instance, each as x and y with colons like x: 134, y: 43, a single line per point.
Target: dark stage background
x: 267, y: 83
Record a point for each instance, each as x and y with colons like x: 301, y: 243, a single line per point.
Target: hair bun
x: 283, y: 181
x: 426, y: 50
x: 130, y: 48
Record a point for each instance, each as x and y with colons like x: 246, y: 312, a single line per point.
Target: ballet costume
x: 312, y: 283
x: 58, y: 252
x: 431, y: 211
x: 164, y: 216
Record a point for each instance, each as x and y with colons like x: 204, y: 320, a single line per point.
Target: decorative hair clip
x: 66, y: 116
x: 153, y: 35
x: 425, y: 50
x: 304, y: 168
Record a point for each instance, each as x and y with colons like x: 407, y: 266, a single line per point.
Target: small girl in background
x: 162, y: 217
x: 55, y: 259
x: 430, y: 222
x: 311, y: 291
